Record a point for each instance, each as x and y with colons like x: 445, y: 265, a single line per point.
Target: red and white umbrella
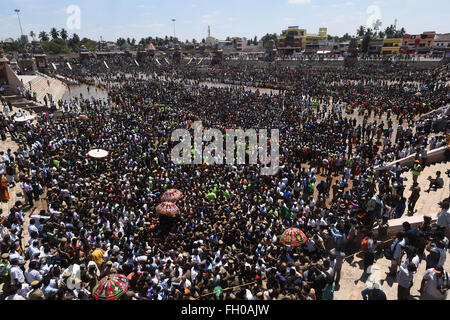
x: 98, y: 154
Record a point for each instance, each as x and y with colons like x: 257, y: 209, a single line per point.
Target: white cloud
x: 289, y: 20
x: 299, y: 1
x: 210, y: 18
x: 145, y: 25
x: 345, y: 4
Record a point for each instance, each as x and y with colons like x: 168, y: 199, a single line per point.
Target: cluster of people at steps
x: 101, y: 214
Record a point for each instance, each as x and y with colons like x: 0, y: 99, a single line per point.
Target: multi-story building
x: 441, y: 42
x: 291, y: 40
x: 391, y: 46
x: 375, y: 47
x: 418, y: 43
x: 294, y: 39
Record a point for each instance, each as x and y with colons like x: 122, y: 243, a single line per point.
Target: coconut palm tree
x: 361, y: 31
x: 33, y: 35
x: 54, y: 33
x: 43, y: 36
x: 63, y: 34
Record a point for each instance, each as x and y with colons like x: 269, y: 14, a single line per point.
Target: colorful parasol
x: 293, y: 237
x: 111, y: 287
x: 168, y: 209
x: 172, y: 195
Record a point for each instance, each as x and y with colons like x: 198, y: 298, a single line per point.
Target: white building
x: 211, y: 41
x: 441, y: 41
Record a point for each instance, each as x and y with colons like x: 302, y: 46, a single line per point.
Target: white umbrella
x: 25, y: 118
x: 98, y: 154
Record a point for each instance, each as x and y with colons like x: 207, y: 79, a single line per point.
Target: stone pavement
x: 16, y: 194
x: 354, y: 281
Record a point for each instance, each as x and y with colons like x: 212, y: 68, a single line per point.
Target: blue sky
x: 141, y: 18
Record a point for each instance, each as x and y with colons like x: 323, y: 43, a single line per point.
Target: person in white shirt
x: 32, y: 274
x: 443, y: 217
x: 32, y: 227
x: 15, y: 295
x: 33, y: 250
x: 411, y: 257
x: 16, y: 273
x: 435, y: 284
x: 397, y: 253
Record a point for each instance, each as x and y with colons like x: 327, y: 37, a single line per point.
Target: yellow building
x: 391, y: 46
x: 296, y: 39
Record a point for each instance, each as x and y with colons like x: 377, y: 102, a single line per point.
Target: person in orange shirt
x: 4, y: 193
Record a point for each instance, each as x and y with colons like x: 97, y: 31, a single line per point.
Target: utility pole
x: 174, y: 30
x: 20, y: 23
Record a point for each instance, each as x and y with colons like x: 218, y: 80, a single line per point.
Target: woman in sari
x: 4, y: 194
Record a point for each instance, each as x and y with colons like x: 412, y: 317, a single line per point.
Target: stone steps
x: 13, y: 98
x: 428, y: 203
x: 9, y: 91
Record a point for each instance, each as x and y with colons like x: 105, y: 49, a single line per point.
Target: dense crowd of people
x: 337, y: 128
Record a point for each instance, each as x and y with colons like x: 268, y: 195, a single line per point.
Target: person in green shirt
x: 5, y: 278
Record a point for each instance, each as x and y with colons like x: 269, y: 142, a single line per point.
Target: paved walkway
x: 353, y: 281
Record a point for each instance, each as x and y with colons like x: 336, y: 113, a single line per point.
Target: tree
x: 64, y: 34
x: 361, y: 31
x: 400, y: 33
x: 133, y: 41
x: 390, y: 31
x: 266, y: 39
x: 203, y: 41
x: 43, y: 36
x: 365, y: 43
x: 121, y: 42
x: 91, y: 45
x: 381, y: 34
x: 194, y: 41
x: 346, y: 37
x: 32, y: 35
x: 255, y: 41
x: 54, y: 33
x: 74, y: 42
